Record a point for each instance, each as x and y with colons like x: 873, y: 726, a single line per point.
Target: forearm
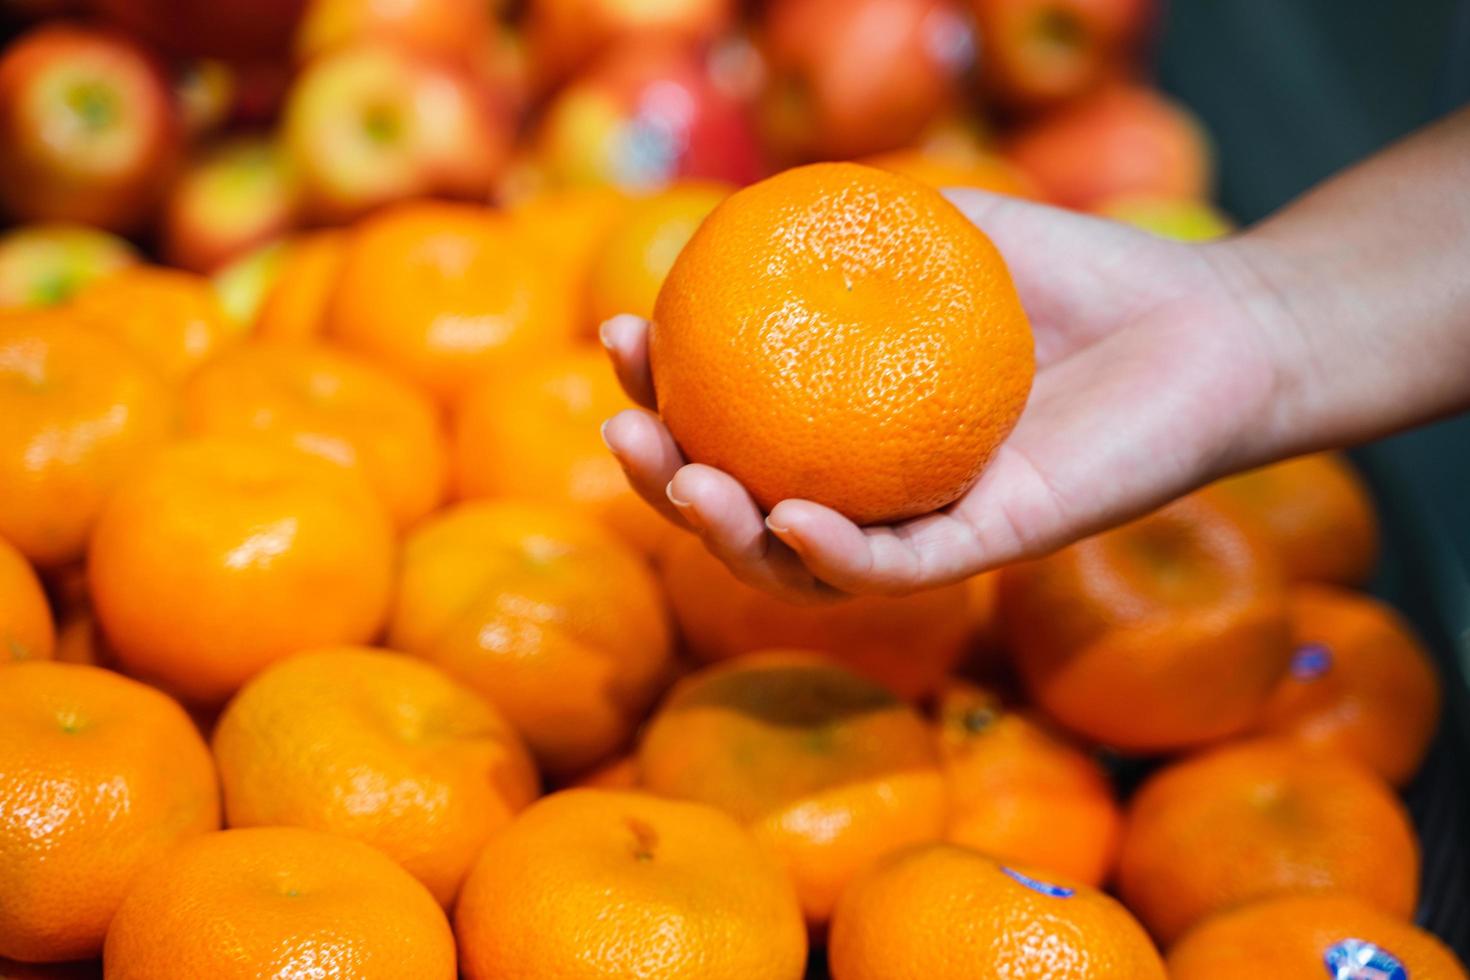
x: 1361, y: 293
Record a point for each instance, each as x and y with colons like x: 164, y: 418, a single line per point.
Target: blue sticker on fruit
x: 1046, y: 888
x: 1310, y: 661
x: 1358, y: 959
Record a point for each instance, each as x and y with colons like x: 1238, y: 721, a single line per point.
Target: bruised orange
x: 26, y: 629
x: 172, y: 319
x: 845, y: 335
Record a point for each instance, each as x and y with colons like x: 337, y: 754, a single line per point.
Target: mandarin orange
x: 27, y: 631
x: 294, y: 306
x: 172, y: 319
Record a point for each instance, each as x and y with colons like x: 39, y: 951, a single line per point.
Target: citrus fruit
x: 1022, y: 793
x: 596, y: 883
x: 102, y: 777
x: 278, y: 902
x: 172, y: 319
x: 619, y: 772
x: 830, y: 771
x: 26, y: 629
x: 942, y: 911
x: 294, y: 305
x: 1258, y: 819
x: 568, y: 225
x: 77, y: 410
x: 1164, y: 633
x: 841, y: 334
x: 221, y: 556
x: 552, y: 619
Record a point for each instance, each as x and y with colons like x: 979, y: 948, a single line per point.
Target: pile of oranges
x: 334, y: 643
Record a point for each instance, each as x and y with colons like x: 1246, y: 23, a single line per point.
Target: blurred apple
x: 643, y: 116
x: 375, y: 122
x: 88, y: 129
x: 240, y: 30
x: 853, y: 77
x: 451, y: 28
x: 565, y: 35
x: 42, y: 265
x: 204, y: 89
x: 1037, y: 53
x: 242, y: 285
x: 1121, y: 140
x: 228, y: 200
x: 1182, y: 219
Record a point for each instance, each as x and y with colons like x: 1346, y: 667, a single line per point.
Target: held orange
x: 601, y: 884
x: 841, y: 334
x: 172, y: 319
x: 27, y: 631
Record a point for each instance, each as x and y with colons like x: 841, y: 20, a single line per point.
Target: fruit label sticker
x: 1310, y: 661
x: 1054, y: 891
x: 1357, y: 959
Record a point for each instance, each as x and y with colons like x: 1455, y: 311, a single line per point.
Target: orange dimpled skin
x: 171, y: 319
x: 841, y: 334
x: 294, y: 308
x: 1295, y: 937
x: 77, y: 411
x: 1316, y: 511
x: 1260, y: 819
x: 943, y: 912
x: 278, y: 902
x: 221, y: 556
x: 445, y: 293
x: 1021, y: 793
x: 27, y: 631
x: 589, y: 884
x: 829, y: 771
x: 333, y: 405
x: 1361, y: 683
x: 101, y: 777
x: 551, y: 618
x: 1162, y: 634
x: 378, y: 747
x: 909, y: 644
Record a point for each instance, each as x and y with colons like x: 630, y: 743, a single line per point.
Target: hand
x: 1154, y: 375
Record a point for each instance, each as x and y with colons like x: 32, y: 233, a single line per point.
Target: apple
x: 226, y: 201
x: 374, y: 122
x: 1037, y: 53
x: 238, y: 30
x: 243, y: 284
x: 451, y: 28
x: 1183, y: 219
x: 46, y: 264
x: 88, y: 129
x: 1121, y: 140
x: 565, y: 35
x: 204, y: 90
x: 645, y: 115
x: 849, y: 78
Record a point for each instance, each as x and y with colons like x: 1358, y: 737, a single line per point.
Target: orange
x: 633, y: 260
x: 77, y: 410
x: 946, y: 913
x: 1165, y: 633
x: 278, y: 902
x: 1258, y: 819
x: 536, y: 434
x: 333, y: 405
x: 841, y: 334
x: 102, y: 777
x: 221, y: 556
x: 980, y: 170
x: 830, y: 771
x: 569, y: 225
x: 26, y: 629
x: 1307, y: 937
x: 1022, y: 793
x: 554, y: 621
x: 620, y: 772
x: 908, y: 644
x: 171, y: 318
x: 446, y: 293
x: 1360, y: 683
x: 378, y: 747
x: 597, y: 883
x: 45, y: 264
x: 1316, y: 511
x: 294, y: 306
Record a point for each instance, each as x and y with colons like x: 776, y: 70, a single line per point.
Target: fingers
x: 648, y: 455
x: 626, y: 339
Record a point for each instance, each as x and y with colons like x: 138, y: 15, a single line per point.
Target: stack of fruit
x: 334, y: 643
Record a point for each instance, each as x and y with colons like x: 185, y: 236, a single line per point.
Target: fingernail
x: 602, y: 431
x: 784, y: 533
x: 685, y: 508
x: 604, y: 336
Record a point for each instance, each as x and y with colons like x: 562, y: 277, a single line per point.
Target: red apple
x: 1036, y: 53
x: 88, y: 129
x: 375, y: 122
x: 228, y: 200
x: 850, y: 78
x: 566, y: 35
x: 450, y: 28
x: 241, y: 30
x: 643, y: 116
x: 42, y: 265
x: 1120, y: 140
